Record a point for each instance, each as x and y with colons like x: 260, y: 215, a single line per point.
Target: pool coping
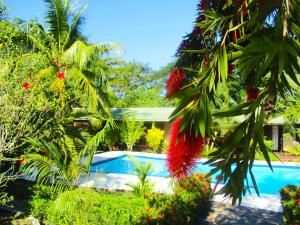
x: 115, y: 154
x: 113, y: 182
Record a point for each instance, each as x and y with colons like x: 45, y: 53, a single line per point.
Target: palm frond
x: 92, y: 145
x: 80, y: 54
x: 90, y: 95
x: 57, y: 20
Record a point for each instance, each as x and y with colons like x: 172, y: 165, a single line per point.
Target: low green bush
x: 189, y: 201
x: 41, y: 200
x: 83, y: 206
x: 290, y: 199
x: 89, y: 207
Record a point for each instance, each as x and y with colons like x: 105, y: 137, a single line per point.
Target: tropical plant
x: 57, y: 165
x: 235, y: 37
x: 290, y: 199
x: 144, y: 186
x: 83, y: 206
x: 131, y: 131
x: 188, y: 204
x: 155, y: 138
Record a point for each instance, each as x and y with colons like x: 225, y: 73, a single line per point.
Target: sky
x: 149, y: 31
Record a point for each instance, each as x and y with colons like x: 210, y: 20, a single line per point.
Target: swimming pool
x: 268, y: 182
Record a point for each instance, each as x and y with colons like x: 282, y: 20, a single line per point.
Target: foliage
x: 189, y: 201
x: 4, y: 179
x: 294, y: 150
x: 290, y: 199
x: 40, y: 201
x: 136, y: 85
x: 155, y: 138
x: 242, y: 35
x: 82, y: 206
x: 131, y: 131
x: 144, y: 186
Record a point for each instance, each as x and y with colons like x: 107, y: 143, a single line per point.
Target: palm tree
x: 73, y: 75
x: 63, y: 160
x: 72, y: 63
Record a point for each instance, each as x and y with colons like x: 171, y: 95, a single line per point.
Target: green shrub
x: 41, y: 201
x: 155, y: 138
x: 294, y: 150
x: 185, y: 206
x: 290, y: 199
x: 88, y: 207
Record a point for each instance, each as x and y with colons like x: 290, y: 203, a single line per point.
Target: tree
x: 131, y: 131
x: 259, y: 41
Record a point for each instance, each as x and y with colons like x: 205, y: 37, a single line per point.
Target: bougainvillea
x: 183, y: 151
x: 252, y: 93
x: 26, y: 86
x: 174, y: 82
x: 60, y: 75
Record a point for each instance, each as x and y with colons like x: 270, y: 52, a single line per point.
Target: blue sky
x: 149, y: 31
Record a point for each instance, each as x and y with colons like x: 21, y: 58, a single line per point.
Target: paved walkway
x: 225, y: 214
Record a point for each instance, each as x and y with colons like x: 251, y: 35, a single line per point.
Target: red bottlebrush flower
x: 230, y: 68
x: 181, y: 47
x: 234, y: 35
x: 205, y: 61
x: 182, y: 152
x: 160, y: 216
x: 203, y: 5
x: 174, y: 82
x: 297, y: 201
x: 200, y: 19
x: 26, y: 86
x: 244, y: 9
x: 149, y: 219
x: 252, y: 93
x: 21, y: 161
x: 60, y: 75
x: 196, y: 31
x: 219, y: 178
x: 262, y: 2
x: 237, y: 2
x: 42, y: 151
x: 171, y: 212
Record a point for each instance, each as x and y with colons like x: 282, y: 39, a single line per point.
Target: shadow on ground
x: 224, y: 214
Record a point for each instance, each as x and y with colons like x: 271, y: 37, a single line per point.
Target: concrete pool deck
x: 119, y: 182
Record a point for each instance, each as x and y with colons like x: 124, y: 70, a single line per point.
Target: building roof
x: 144, y: 114
x: 163, y: 114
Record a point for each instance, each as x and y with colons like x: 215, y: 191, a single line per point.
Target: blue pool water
x: 268, y: 182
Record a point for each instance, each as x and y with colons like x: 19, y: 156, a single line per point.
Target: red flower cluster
x: 60, y: 75
x: 183, y: 151
x: 205, y: 61
x: 21, y: 161
x: 26, y: 86
x: 252, y: 93
x: 262, y: 2
x: 297, y: 201
x: 174, y: 82
x: 230, y: 68
x: 244, y: 9
x: 203, y: 4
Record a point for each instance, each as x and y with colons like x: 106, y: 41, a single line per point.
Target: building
x: 160, y: 117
